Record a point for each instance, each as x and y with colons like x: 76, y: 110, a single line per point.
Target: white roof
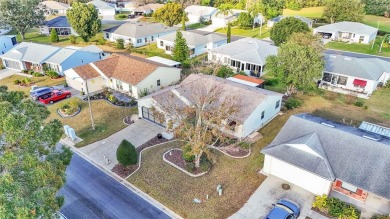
x: 164, y: 61
x: 200, y: 10
x: 242, y: 82
x: 100, y: 4
x: 55, y: 5
x: 194, y: 39
x: 346, y: 26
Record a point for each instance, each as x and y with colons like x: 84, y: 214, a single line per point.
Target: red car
x: 54, y: 96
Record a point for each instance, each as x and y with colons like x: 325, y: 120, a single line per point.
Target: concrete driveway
x: 8, y: 72
x: 137, y: 133
x: 268, y: 193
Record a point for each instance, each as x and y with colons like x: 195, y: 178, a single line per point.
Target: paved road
x: 357, y: 55
x: 90, y: 193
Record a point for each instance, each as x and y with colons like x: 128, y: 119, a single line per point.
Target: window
x: 146, y: 40
x: 162, y: 43
x: 262, y: 114
x: 158, y: 82
x: 139, y: 40
x: 277, y: 104
x: 168, y: 48
x: 342, y: 80
x: 107, y: 35
x: 152, y: 38
x: 327, y: 77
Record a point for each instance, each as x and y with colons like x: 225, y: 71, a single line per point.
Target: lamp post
x: 89, y: 101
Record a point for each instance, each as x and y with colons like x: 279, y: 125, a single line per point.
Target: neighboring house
x: 257, y: 106
x: 70, y: 57
x: 7, y: 42
x: 247, y: 80
x: 131, y: 75
x: 138, y: 34
x: 165, y: 61
x: 338, y: 160
x: 103, y: 8
x: 60, y: 24
x: 247, y: 54
x: 197, y: 43
x: 220, y: 20
x: 147, y: 9
x: 197, y: 13
x: 55, y: 8
x: 273, y: 21
x: 357, y: 76
x: 348, y: 32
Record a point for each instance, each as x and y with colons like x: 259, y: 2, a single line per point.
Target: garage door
x: 12, y: 64
x: 298, y: 176
x: 148, y: 114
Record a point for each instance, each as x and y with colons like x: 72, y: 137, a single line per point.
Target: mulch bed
x: 176, y: 157
x: 123, y: 171
x: 234, y: 150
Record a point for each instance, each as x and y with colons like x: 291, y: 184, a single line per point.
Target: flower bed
x: 123, y: 171
x: 175, y: 158
x: 68, y: 109
x: 235, y: 151
x: 334, y: 208
x: 111, y: 99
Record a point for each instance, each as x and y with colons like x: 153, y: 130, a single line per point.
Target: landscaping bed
x: 235, y: 151
x: 175, y: 157
x: 109, y: 96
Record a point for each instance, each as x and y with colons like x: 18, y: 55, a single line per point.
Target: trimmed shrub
x: 335, y: 207
x: 292, y: 103
x: 359, y: 103
x: 73, y: 39
x: 225, y: 72
x: 52, y: 74
x: 112, y: 98
x: 122, y: 15
x: 126, y: 154
x: 244, y: 145
x: 187, y: 156
x: 69, y: 107
x: 25, y: 71
x: 120, y: 44
x: 101, y: 41
x: 16, y: 81
x: 271, y: 82
x: 54, y: 36
x: 37, y: 74
x: 27, y: 80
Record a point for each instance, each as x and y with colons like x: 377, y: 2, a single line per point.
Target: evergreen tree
x: 180, y: 50
x: 229, y: 33
x: 54, y: 36
x: 282, y: 30
x: 126, y: 154
x: 183, y: 22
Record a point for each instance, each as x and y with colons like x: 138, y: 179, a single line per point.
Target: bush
x: 244, y: 145
x: 70, y: 107
x: 27, y: 81
x: 37, y: 74
x: 225, y: 72
x: 187, y: 156
x: 380, y: 217
x: 335, y: 208
x: 271, y: 82
x: 126, y: 154
x: 52, y: 74
x: 292, y: 103
x: 54, y: 36
x: 190, y: 167
x: 359, y: 103
x: 120, y: 44
x: 25, y: 71
x: 101, y: 41
x: 122, y: 16
x: 16, y: 81
x: 245, y: 20
x: 112, y: 98
x: 73, y: 39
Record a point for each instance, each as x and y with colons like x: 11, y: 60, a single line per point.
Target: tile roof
x: 31, y: 52
x: 249, y: 79
x: 129, y: 69
x: 347, y: 26
x: 139, y: 30
x: 366, y: 68
x: 60, y: 21
x: 248, y: 50
x: 194, y: 39
x: 352, y: 157
x: 55, y: 5
x: 86, y: 72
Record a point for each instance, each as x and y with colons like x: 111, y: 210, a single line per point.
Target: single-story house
x: 164, y: 61
x: 257, y: 106
x: 353, y: 32
x: 197, y: 43
x: 247, y: 80
x: 220, y: 20
x: 273, y: 21
x: 60, y: 24
x: 131, y: 75
x: 7, y: 42
x: 70, y: 57
x: 55, y: 8
x: 147, y: 9
x: 358, y: 76
x: 198, y: 13
x: 247, y: 54
x: 138, y: 34
x: 103, y: 8
x: 325, y: 157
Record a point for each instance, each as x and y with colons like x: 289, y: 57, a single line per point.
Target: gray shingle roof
x: 366, y: 68
x: 347, y: 26
x: 194, y: 39
x: 55, y: 5
x: 31, y: 52
x: 61, y: 55
x: 60, y: 21
x: 200, y: 10
x: 281, y: 17
x: 139, y: 30
x: 248, y: 49
x: 352, y: 158
x: 100, y: 4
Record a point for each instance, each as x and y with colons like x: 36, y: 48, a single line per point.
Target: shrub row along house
x: 256, y: 106
x: 326, y: 157
x: 138, y: 34
x: 131, y: 75
x: 197, y: 43
x: 34, y: 56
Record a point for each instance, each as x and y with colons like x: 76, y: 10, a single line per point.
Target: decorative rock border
x: 179, y: 168
x: 235, y: 157
x: 68, y: 116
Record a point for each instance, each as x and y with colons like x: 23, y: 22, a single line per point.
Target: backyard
x: 312, y: 12
x: 253, y: 33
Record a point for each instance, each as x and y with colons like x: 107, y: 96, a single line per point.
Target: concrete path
x: 268, y: 193
x: 8, y: 72
x: 137, y: 133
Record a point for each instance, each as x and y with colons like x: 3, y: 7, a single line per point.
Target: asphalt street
x: 90, y: 193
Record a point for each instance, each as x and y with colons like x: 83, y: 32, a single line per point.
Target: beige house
x: 131, y: 75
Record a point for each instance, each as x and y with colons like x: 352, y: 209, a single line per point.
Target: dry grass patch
x: 40, y: 81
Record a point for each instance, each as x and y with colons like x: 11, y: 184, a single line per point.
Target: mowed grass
x: 108, y: 119
x: 311, y: 12
x: 361, y: 48
x: 40, y: 81
x: 372, y: 20
x: 253, y: 33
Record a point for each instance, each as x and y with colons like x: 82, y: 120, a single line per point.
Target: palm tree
x: 225, y: 9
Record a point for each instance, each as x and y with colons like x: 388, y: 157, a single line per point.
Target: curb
x: 128, y: 185
x: 250, y: 152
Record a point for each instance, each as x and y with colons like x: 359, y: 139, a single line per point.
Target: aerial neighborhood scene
x: 214, y: 109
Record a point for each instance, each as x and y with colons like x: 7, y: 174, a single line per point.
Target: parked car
x: 284, y: 209
x: 54, y: 96
x: 131, y: 16
x: 326, y: 35
x: 39, y: 92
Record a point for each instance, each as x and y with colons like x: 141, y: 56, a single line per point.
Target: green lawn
x: 253, y: 33
x: 372, y: 20
x: 151, y: 50
x: 40, y: 81
x: 118, y: 16
x: 361, y: 48
x: 196, y: 26
x: 312, y: 12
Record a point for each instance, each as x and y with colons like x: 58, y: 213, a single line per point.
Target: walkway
x: 9, y: 72
x: 137, y: 133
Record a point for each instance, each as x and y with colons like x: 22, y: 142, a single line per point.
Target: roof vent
x: 326, y: 124
x: 333, y: 56
x: 371, y: 138
x: 349, y: 59
x: 251, y: 42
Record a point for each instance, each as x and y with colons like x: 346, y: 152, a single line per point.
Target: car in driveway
x: 284, y: 209
x: 36, y: 93
x: 54, y: 96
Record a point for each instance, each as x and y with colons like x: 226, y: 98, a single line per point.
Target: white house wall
x: 149, y: 39
x: 21, y: 65
x: 254, y: 121
x: 297, y: 176
x: 370, y: 86
x: 106, y: 11
x: 144, y: 102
